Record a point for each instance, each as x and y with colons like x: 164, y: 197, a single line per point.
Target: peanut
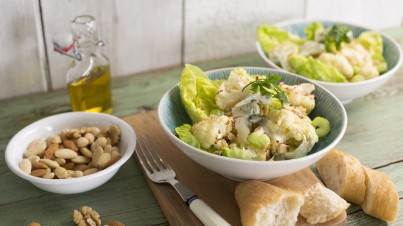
x: 54, y: 140
x: 114, y: 134
x: 90, y: 137
x: 61, y: 173
x: 86, y: 152
x: 60, y: 161
x: 49, y: 176
x: 82, y: 142
x: 102, y: 141
x: 34, y: 158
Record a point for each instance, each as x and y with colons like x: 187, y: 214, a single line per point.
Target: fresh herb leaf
x: 268, y: 86
x: 336, y: 36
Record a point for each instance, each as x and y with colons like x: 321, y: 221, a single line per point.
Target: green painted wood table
x: 374, y: 135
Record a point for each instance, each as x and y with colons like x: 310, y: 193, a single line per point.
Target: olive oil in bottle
x: 89, y: 77
x: 92, y: 93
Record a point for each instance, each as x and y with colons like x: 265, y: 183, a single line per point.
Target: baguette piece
x: 322, y: 204
x: 381, y: 199
x: 264, y: 204
x: 343, y: 174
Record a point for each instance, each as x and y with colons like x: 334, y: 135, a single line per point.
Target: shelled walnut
x: 90, y: 217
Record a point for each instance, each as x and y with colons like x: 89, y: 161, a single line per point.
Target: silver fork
x: 159, y: 171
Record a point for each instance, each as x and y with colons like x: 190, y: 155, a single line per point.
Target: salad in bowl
x: 349, y: 60
x: 249, y: 116
x: 330, y: 54
x: 250, y: 122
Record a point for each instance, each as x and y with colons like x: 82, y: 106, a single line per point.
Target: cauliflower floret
x: 230, y: 91
x: 213, y: 131
x: 360, y: 59
x: 338, y: 61
x: 300, y: 96
x: 280, y: 53
x: 311, y: 48
x: 286, y: 128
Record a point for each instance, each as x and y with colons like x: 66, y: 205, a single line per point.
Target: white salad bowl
x: 171, y: 114
x: 53, y: 125
x: 345, y: 92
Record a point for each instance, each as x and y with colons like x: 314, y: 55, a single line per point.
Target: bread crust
x: 254, y: 195
x: 381, y: 198
x: 343, y: 174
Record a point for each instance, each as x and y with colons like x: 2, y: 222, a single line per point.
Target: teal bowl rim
x: 385, y: 75
x: 254, y: 162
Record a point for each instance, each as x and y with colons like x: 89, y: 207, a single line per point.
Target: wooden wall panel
x: 220, y: 28
x: 22, y: 54
x: 147, y: 35
x: 141, y: 35
x: 375, y: 14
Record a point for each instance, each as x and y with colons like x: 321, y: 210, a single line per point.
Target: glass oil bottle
x: 89, y: 77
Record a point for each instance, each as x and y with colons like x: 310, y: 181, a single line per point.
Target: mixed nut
x: 72, y: 153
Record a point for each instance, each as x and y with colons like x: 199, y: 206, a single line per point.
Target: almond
x: 39, y: 172
x: 66, y: 153
x: 69, y: 144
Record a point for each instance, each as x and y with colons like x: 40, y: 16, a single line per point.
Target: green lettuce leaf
x: 197, y: 93
x: 243, y: 153
x: 185, y: 134
x: 336, y: 36
x: 315, y: 69
x: 373, y: 42
x: 311, y: 29
x: 270, y: 36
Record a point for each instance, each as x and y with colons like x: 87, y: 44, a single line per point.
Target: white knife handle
x: 206, y: 215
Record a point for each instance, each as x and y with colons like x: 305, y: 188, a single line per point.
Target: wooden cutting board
x: 216, y: 190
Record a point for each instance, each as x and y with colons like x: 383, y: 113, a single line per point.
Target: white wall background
x: 148, y: 35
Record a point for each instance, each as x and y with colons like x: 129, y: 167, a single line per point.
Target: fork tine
x: 155, y: 155
x: 148, y: 167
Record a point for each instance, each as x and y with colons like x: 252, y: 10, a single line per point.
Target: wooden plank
x: 216, y: 29
x: 217, y: 191
x: 140, y: 35
x: 22, y: 56
x: 368, y: 13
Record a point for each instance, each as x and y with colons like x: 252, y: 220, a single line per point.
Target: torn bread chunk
x: 381, y: 199
x: 322, y: 204
x: 343, y: 174
x: 263, y: 204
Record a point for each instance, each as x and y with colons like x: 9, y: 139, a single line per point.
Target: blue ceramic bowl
x: 172, y: 114
x: 346, y: 92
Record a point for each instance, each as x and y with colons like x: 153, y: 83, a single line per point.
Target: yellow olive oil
x: 92, y: 93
